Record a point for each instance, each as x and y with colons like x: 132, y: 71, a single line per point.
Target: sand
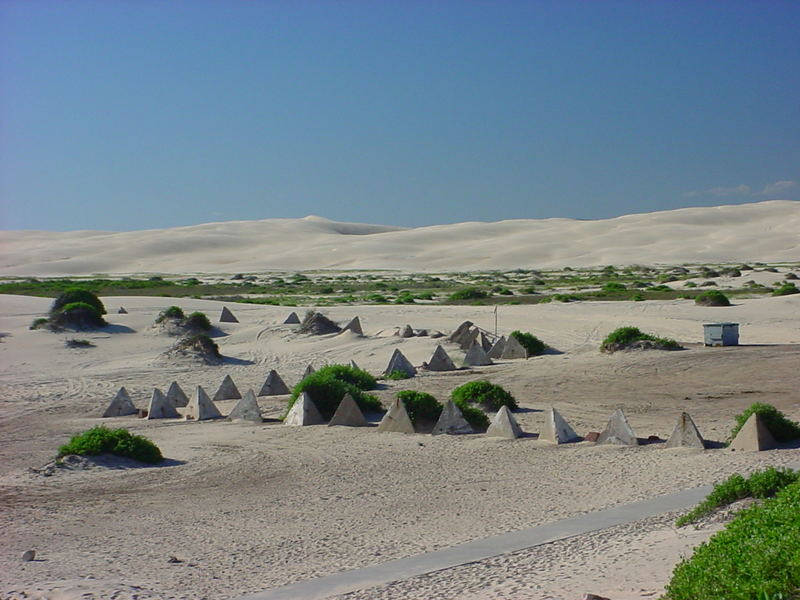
x: 246, y: 507
x: 762, y: 231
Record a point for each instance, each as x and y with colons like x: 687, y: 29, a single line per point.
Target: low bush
x: 487, y: 394
x: 77, y: 315
x: 756, y: 556
x: 533, y: 345
x: 781, y: 428
x: 613, y: 286
x: 473, y: 415
x: 173, y: 312
x: 760, y: 484
x: 121, y: 442
x: 197, y: 321
x: 421, y: 407
x: 626, y: 337
x: 73, y: 295
x: 786, y: 289
x: 39, y: 322
x: 712, y: 298
x: 78, y: 343
x: 469, y: 293
x: 396, y: 375
x: 328, y: 386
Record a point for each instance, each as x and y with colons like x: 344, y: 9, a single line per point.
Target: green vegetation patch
x: 786, y: 289
x: 484, y: 393
x: 328, y: 386
x: 533, y: 345
x: 756, y: 557
x: 469, y: 293
x: 712, y: 298
x: 420, y: 406
x: 173, y: 312
x: 761, y: 484
x: 120, y: 442
x: 632, y: 337
x: 781, y: 428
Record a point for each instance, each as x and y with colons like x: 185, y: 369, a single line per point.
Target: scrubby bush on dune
x: 760, y: 484
x: 533, y: 345
x: 197, y: 321
x: 484, y: 393
x: 781, y: 428
x: 101, y: 440
x: 397, y: 374
x: 473, y: 415
x: 328, y: 386
x: 173, y: 312
x: 73, y: 295
x: 469, y: 293
x: 712, y: 298
x: 624, y: 338
x: 77, y: 315
x: 421, y: 407
x: 786, y: 289
x: 756, y: 556
x: 198, y: 346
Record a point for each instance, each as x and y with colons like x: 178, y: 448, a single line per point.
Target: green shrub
x: 473, y: 415
x: 404, y: 298
x: 625, y: 336
x: 421, y: 407
x: 73, y: 295
x: 637, y: 298
x: 78, y: 315
x: 352, y: 375
x: 101, y: 440
x: 690, y: 284
x: 757, y: 556
x: 786, y: 289
x: 781, y: 428
x: 469, y: 293
x: 173, y: 312
x: 197, y: 321
x: 533, y: 345
x: 712, y: 298
x: 40, y: 322
x: 397, y: 375
x: 528, y: 289
x: 613, y: 286
x: 487, y: 394
x: 328, y: 386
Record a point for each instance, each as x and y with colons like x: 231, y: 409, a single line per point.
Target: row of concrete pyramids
x: 468, y: 336
x: 354, y: 325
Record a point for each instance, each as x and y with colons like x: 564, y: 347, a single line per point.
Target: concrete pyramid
x: 348, y: 414
x: 292, y: 319
x: 456, y: 336
x: 273, y: 385
x: 557, y: 430
x: 406, y: 332
x: 441, y: 361
x: 247, y: 409
x: 754, y: 435
x: 497, y: 349
x: 121, y: 405
x: 396, y: 420
x: 504, y: 425
x: 201, y: 407
x: 309, y: 370
x: 685, y: 434
x: 227, y: 390
x: 476, y: 357
x: 513, y: 349
x: 399, y: 362
x: 303, y: 412
x: 469, y: 338
x: 122, y: 310
x: 354, y: 325
x: 618, y: 431
x: 485, y: 343
x: 160, y: 407
x: 176, y: 396
x: 226, y: 316
x: 451, y: 421
x: 354, y: 365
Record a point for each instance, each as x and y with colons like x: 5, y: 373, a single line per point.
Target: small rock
x: 591, y: 436
x: 28, y: 555
x: 594, y: 597
x: 174, y: 559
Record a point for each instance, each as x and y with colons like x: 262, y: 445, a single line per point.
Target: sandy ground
x: 246, y: 507
x: 760, y: 231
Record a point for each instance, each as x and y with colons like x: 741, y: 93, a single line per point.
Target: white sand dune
x: 763, y: 231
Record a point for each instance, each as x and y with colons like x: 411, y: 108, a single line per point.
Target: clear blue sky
x: 138, y: 114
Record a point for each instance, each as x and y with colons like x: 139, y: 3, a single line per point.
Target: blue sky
x: 134, y: 114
